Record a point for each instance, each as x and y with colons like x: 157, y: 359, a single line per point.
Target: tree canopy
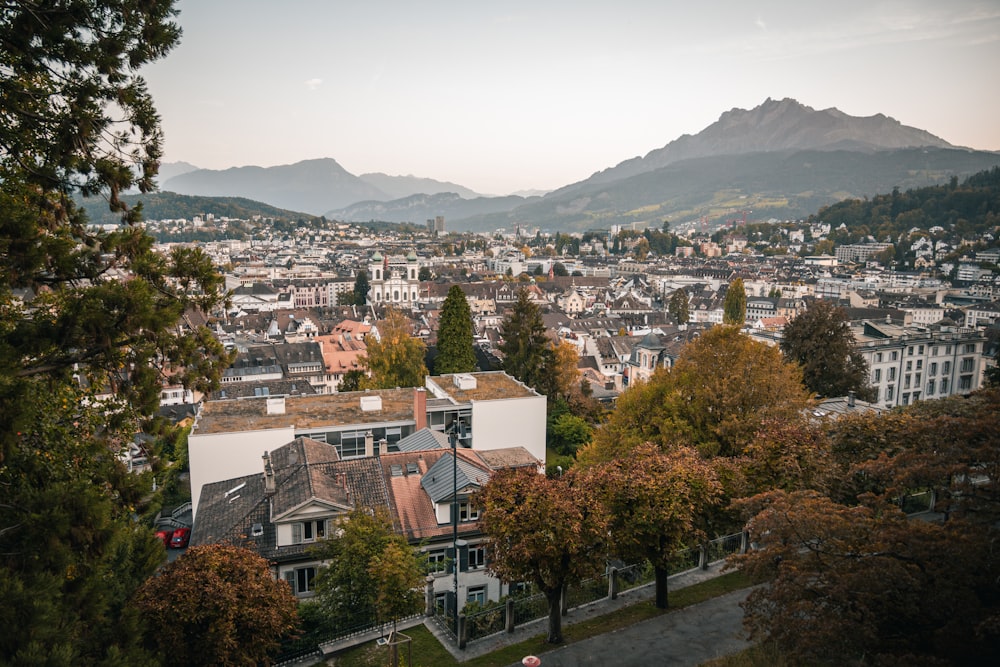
x: 526, y: 349
x: 217, y: 605
x: 90, y: 323
x: 653, y: 500
x: 734, y: 308
x: 359, y: 295
x: 679, y: 306
x: 454, y: 340
x: 820, y: 340
x: 395, y: 358
x: 371, y: 571
x: 722, y: 389
x: 549, y: 531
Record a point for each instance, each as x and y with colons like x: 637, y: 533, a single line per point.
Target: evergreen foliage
x: 454, y: 340
x: 89, y: 325
x: 361, y: 289
x: 734, y: 308
x: 679, y: 306
x: 820, y: 341
x: 527, y: 353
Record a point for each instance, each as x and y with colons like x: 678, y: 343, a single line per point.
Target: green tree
x: 526, y: 351
x: 559, y: 269
x: 425, y: 274
x: 395, y: 358
x: 653, y: 500
x: 217, y: 605
x: 734, y: 308
x: 454, y: 342
x: 361, y: 289
x: 549, y: 531
x: 567, y: 433
x: 351, y: 589
x: 678, y: 306
x: 820, y: 340
x: 82, y: 357
x: 353, y: 380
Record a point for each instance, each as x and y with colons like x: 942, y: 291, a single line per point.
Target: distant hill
x: 314, y: 186
x: 421, y: 207
x: 170, y: 169
x: 172, y: 206
x: 397, y: 187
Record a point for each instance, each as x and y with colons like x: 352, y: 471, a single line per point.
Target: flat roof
x: 304, y: 412
x: 490, y: 386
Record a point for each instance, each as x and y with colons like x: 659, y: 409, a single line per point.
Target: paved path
x: 683, y: 638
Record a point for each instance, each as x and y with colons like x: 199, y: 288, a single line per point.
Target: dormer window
x: 308, y: 531
x: 467, y: 512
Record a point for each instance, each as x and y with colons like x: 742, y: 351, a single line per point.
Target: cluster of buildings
x: 280, y: 452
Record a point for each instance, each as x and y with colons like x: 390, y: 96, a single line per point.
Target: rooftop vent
x: 257, y: 529
x: 412, y: 469
x: 396, y: 470
x: 371, y: 403
x: 464, y: 381
x: 276, y: 406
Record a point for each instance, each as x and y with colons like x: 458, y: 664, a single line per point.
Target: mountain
x: 784, y: 125
x: 420, y: 207
x: 398, y: 187
x: 313, y: 186
x: 170, y: 169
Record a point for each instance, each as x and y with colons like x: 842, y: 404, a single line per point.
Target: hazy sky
x: 508, y: 95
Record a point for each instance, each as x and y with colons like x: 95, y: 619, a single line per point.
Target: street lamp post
x: 453, y: 434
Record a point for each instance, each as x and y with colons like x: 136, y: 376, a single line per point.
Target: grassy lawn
x: 426, y: 650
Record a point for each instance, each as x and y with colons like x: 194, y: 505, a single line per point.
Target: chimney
x: 383, y: 447
x: 850, y: 398
x: 420, y: 408
x: 369, y: 444
x: 268, y: 475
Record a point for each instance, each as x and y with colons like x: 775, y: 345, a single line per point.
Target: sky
x: 507, y: 96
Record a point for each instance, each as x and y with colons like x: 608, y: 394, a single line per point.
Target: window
x: 946, y: 368
x: 944, y: 386
x: 909, y: 366
x: 947, y: 349
x: 308, y: 531
x: 909, y: 351
x: 466, y: 512
x: 933, y: 370
x: 890, y: 391
x: 476, y: 594
x: 894, y: 356
x: 930, y: 387
x: 920, y: 350
x: 965, y: 382
x: 878, y: 357
x: 906, y: 382
x: 301, y: 579
x: 877, y: 377
x: 352, y: 444
x: 935, y: 350
x: 967, y: 365
x: 920, y: 364
x: 437, y: 561
x: 892, y: 374
x: 906, y: 398
x: 970, y: 348
x: 477, y: 557
x: 916, y: 380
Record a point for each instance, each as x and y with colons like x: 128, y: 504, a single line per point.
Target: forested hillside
x: 967, y: 209
x: 172, y: 206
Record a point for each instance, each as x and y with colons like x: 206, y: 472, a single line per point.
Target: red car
x: 164, y: 536
x: 180, y: 538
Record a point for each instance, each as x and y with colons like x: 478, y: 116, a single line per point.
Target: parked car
x: 165, y: 536
x: 180, y: 538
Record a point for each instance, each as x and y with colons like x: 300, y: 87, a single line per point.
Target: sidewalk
x: 595, y: 609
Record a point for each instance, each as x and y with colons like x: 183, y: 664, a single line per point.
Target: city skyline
x: 521, y: 96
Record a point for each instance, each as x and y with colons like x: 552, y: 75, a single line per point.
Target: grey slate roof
x: 423, y: 440
x: 439, y: 483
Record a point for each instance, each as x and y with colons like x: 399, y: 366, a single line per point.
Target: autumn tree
x: 722, y: 389
x: 788, y: 454
x: 820, y: 340
x: 549, y: 531
x: 217, y: 605
x: 394, y: 358
x: 95, y: 326
x: 653, y: 500
x: 371, y: 571
x: 678, y: 306
x: 454, y: 340
x: 525, y: 347
x: 734, y: 308
x: 868, y: 585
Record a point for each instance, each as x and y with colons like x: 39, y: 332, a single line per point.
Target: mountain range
x: 781, y: 159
